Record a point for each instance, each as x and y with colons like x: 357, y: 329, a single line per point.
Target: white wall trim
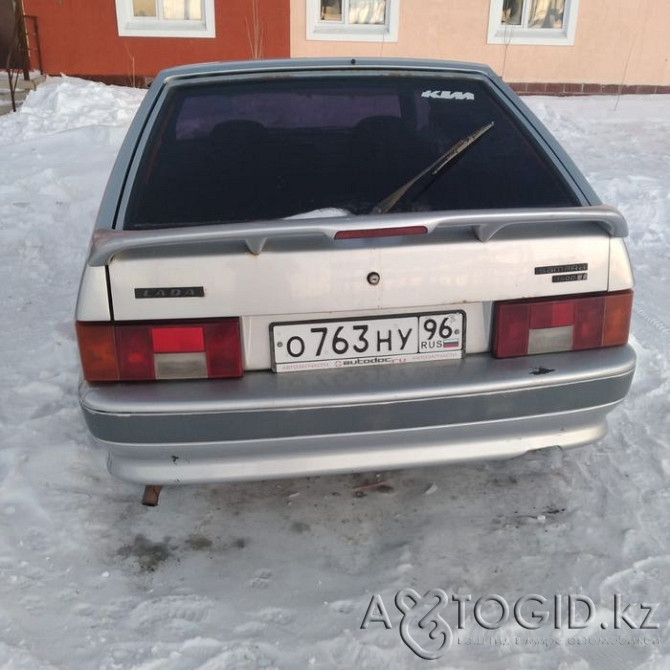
x: 505, y: 34
x: 324, y: 30
x: 133, y: 26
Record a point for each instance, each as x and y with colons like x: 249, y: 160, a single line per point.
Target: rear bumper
x: 267, y: 426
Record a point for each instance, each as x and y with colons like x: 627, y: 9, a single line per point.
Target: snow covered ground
x: 280, y: 574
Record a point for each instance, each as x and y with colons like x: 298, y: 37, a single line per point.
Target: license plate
x: 313, y: 345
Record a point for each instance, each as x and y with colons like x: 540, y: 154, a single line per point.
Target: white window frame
x: 149, y: 26
x: 343, y: 32
x: 501, y: 33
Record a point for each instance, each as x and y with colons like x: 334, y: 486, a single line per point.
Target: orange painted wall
x: 80, y: 37
x: 617, y: 42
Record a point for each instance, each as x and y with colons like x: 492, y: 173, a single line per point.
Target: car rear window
x: 268, y: 149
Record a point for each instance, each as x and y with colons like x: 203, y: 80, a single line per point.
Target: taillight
x: 165, y: 350
x: 97, y: 349
x: 544, y: 325
x: 359, y: 233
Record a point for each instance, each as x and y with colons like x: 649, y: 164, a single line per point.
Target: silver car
x: 316, y: 266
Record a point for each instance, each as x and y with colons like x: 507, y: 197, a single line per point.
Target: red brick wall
x: 80, y: 37
x: 586, y: 89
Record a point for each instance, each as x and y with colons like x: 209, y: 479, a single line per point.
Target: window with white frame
x: 165, y: 18
x: 353, y: 20
x: 539, y: 22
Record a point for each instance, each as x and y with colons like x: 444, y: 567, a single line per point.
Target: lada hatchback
x: 316, y: 266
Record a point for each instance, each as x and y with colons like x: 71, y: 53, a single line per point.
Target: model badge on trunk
x: 555, y: 269
x: 171, y: 292
x: 563, y: 273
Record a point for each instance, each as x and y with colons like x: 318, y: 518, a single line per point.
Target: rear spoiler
x: 484, y: 223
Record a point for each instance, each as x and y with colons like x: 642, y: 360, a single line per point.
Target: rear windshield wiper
x: 426, y: 177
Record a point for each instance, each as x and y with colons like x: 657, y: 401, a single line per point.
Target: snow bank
x: 66, y: 103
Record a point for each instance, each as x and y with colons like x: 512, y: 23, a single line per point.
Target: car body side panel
x: 621, y: 272
x: 93, y: 300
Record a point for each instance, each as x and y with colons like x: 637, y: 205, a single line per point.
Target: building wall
x: 617, y: 42
x: 80, y: 37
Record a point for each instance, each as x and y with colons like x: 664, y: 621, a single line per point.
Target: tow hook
x: 151, y: 495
